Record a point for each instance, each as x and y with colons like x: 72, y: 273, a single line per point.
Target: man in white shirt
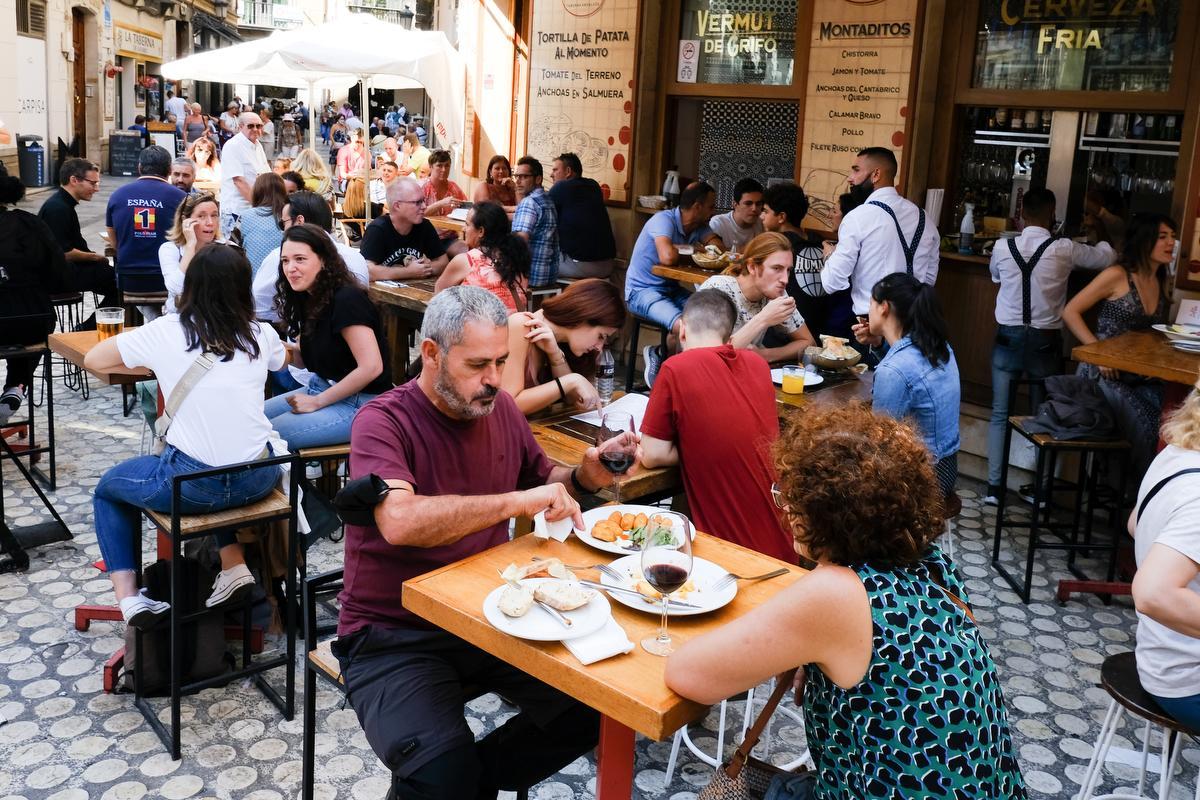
x: 179, y: 107
x: 242, y: 160
x: 738, y: 226
x: 885, y: 234
x: 303, y: 206
x: 1032, y: 271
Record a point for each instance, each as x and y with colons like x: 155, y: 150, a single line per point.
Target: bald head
x: 251, y: 125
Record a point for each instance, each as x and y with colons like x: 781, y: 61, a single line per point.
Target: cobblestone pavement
x: 62, y: 737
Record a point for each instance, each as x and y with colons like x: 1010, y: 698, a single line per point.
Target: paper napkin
x: 559, y: 530
x: 605, y: 643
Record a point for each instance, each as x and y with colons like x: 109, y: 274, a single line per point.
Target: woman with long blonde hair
x: 1165, y: 525
x: 315, y: 172
x: 756, y: 281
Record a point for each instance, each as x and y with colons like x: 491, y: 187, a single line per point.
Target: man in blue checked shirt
x: 536, y: 221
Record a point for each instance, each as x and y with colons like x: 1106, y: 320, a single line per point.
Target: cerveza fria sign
x: 1074, y: 24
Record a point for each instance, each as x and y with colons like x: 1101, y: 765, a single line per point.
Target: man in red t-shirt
x: 462, y: 461
x: 712, y: 411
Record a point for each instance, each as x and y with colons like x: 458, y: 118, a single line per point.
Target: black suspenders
x: 910, y: 250
x: 1027, y: 268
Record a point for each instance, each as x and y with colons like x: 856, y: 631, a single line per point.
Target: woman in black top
x: 340, y: 342
x: 32, y: 267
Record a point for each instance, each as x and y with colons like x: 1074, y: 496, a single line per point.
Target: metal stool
x: 1119, y: 677
x: 631, y: 362
x: 1045, y: 485
x: 68, y: 308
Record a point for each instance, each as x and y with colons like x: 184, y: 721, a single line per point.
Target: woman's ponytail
x: 919, y: 312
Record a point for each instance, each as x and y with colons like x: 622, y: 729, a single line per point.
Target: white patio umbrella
x: 355, y: 49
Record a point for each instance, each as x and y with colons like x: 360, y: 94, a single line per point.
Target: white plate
x: 537, y: 624
x: 590, y: 518
x: 810, y: 378
x: 1176, y: 336
x: 1187, y: 347
x: 704, y: 575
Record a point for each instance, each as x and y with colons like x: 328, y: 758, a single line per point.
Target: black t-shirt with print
x: 383, y: 245
x: 324, y: 349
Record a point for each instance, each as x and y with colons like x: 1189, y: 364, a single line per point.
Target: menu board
x: 860, y: 61
x: 124, y: 147
x: 581, y: 79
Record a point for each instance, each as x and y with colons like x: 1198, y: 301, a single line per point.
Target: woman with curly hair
x: 340, y: 342
x: 552, y: 352
x: 497, y: 260
x: 902, y: 698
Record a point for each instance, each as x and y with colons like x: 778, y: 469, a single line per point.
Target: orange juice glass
x: 793, y: 379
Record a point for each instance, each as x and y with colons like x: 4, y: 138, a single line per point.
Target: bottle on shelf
x: 1001, y: 117
x: 1152, y: 130
x: 1118, y: 127
x: 605, y: 371
x: 1171, y: 128
x: 1092, y: 124
x: 1016, y: 119
x: 1033, y: 120
x: 1137, y: 130
x: 670, y: 187
x: 1047, y: 116
x: 966, y: 231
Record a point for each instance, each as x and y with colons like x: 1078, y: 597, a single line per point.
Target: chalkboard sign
x: 123, y: 150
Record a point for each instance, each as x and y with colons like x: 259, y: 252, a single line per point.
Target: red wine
x: 666, y: 577
x: 616, y: 463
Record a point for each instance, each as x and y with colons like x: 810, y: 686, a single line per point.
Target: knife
x: 608, y: 588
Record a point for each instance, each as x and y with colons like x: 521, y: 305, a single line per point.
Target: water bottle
x: 966, y: 232
x: 606, y: 369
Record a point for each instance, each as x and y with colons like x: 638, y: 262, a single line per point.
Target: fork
x: 729, y: 578
x: 604, y: 568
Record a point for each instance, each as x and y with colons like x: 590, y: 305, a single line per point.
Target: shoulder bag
x: 203, y: 363
x: 745, y: 777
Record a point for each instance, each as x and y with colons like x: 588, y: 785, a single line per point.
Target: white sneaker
x: 142, y: 612
x: 313, y: 470
x: 232, y: 585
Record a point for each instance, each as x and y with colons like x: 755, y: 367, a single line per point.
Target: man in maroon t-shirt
x: 462, y: 461
x: 712, y: 411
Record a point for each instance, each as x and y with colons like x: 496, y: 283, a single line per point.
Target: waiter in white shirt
x: 1032, y: 270
x: 242, y: 160
x: 885, y: 234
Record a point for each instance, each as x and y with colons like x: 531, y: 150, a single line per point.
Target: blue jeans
x: 326, y: 426
x: 1184, y: 709
x: 661, y: 305
x: 1019, y: 351
x: 145, y: 482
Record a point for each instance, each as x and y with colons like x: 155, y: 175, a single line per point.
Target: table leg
x: 614, y: 761
x: 395, y: 332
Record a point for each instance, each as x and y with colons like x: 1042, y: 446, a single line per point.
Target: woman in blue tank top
x: 902, y: 697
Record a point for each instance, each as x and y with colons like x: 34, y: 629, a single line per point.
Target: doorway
x: 79, y: 82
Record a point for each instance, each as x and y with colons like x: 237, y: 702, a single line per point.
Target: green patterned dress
x: 928, y: 719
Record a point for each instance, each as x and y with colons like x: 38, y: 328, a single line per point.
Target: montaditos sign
x: 859, y: 70
x: 581, y: 86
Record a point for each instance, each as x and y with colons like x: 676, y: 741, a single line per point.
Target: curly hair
x: 859, y: 487
x: 300, y: 310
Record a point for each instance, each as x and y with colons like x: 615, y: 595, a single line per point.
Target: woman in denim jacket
x: 918, y: 378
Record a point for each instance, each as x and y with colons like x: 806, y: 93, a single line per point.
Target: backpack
x: 204, y: 654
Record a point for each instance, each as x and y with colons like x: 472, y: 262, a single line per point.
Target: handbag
x: 199, y: 368
x: 322, y: 515
x: 745, y: 777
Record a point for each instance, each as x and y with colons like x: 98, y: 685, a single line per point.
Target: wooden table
x: 75, y: 346
x: 403, y: 310
x: 686, y: 274
x: 628, y: 690
x: 842, y: 394
x: 1143, y: 353
x: 447, y: 224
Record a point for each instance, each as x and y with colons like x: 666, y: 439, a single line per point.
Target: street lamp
x: 407, y: 15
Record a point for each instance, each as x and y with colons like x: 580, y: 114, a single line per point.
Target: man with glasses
x: 402, y: 244
x: 79, y: 180
x: 536, y: 221
x: 737, y: 227
x: 242, y: 160
x: 723, y: 445
x: 138, y: 216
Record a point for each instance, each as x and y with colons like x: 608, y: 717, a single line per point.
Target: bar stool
x: 33, y: 450
x: 1048, y: 449
x: 631, y: 360
x: 68, y: 308
x: 1119, y: 677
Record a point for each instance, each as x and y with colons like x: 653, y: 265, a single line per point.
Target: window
x: 747, y: 41
x: 31, y: 17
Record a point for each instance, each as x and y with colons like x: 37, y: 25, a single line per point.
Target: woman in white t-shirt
x: 197, y: 223
x: 1166, y: 589
x: 219, y: 423
x: 757, y: 284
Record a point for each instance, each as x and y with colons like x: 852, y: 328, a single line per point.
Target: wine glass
x: 617, y: 442
x: 666, y: 565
